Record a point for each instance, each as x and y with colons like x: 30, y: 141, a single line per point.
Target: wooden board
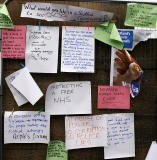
x: 144, y: 106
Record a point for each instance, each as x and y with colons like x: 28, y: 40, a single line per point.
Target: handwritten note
x: 60, y: 12
x: 23, y: 87
x: 127, y: 38
x: 85, y: 131
x: 42, y: 49
x: 5, y: 20
x: 152, y: 153
x: 108, y: 33
x: 13, y: 42
x: 78, y: 49
x: 26, y: 127
x: 56, y: 151
x: 113, y: 97
x: 141, y: 15
x: 68, y: 98
x: 19, y: 98
x: 121, y: 141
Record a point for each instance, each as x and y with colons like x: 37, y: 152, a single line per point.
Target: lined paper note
x: 78, y: 49
x: 42, y: 49
x: 68, y: 98
x: 60, y: 12
x: 26, y: 127
x: 85, y: 131
x: 121, y: 137
x: 13, y: 42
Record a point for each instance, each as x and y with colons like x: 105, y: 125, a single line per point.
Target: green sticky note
x: 141, y: 15
x: 108, y: 33
x: 56, y: 151
x: 5, y: 20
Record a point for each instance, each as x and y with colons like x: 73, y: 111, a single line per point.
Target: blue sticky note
x: 127, y: 38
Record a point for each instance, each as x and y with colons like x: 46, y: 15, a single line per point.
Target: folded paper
x: 108, y: 33
x: 5, y: 19
x: 64, y: 98
x: 26, y: 127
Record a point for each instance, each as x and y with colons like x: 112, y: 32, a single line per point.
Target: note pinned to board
x: 23, y: 87
x: 60, y: 12
x: 63, y: 98
x: 113, y: 97
x: 42, y: 49
x: 141, y: 15
x: 108, y: 33
x: 56, y: 151
x: 78, y: 49
x: 13, y: 42
x: 85, y: 131
x: 152, y: 153
x: 26, y: 127
x: 121, y: 137
x: 5, y: 19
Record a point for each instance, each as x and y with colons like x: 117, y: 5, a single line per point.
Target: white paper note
x: 121, y: 140
x: 60, y: 12
x: 78, y: 49
x: 26, y: 85
x: 26, y: 127
x: 42, y: 49
x: 85, y: 131
x: 19, y: 98
x: 152, y: 153
x: 63, y: 98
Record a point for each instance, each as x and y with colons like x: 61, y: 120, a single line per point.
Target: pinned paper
x: 141, y: 15
x: 121, y: 137
x: 113, y: 97
x: 60, y: 12
x: 68, y: 98
x: 108, y: 33
x: 5, y: 20
x: 23, y: 87
x: 56, y: 151
x: 42, y: 49
x: 13, y: 42
x: 85, y: 131
x: 26, y: 127
x: 152, y: 153
x: 78, y: 49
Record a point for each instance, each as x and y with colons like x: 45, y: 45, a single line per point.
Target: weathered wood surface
x: 144, y: 106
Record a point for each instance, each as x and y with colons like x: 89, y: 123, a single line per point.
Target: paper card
x: 26, y: 127
x: 13, y: 42
x: 127, y: 38
x: 42, y: 49
x: 78, y: 49
x: 19, y: 98
x: 113, y: 97
x: 152, y: 153
x: 60, y: 12
x: 85, y: 131
x: 121, y: 137
x: 125, y: 71
x: 141, y: 15
x: 68, y: 98
x: 108, y: 33
x: 26, y: 85
x: 56, y: 151
x: 5, y: 20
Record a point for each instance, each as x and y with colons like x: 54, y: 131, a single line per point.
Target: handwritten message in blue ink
x: 121, y: 141
x: 78, y: 47
x: 127, y: 38
x: 26, y: 127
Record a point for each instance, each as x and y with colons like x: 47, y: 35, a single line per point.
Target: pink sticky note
x: 113, y: 97
x: 13, y: 42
